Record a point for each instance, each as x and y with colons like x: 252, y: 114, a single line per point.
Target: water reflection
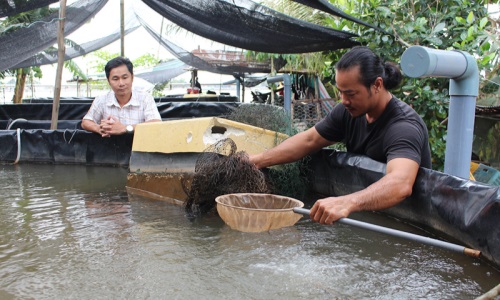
x: 73, y: 232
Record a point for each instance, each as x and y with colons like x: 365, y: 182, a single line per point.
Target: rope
x: 64, y: 135
x: 18, y: 146
x: 19, y: 119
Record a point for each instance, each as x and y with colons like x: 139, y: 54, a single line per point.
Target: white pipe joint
x: 461, y: 67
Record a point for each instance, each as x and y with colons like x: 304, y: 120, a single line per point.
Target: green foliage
x: 100, y: 58
x: 146, y: 60
x: 36, y: 72
x: 489, y: 134
x: 24, y: 19
x: 75, y: 70
x: 158, y: 88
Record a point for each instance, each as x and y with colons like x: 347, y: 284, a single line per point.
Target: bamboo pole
x: 61, y: 49
x: 122, y: 27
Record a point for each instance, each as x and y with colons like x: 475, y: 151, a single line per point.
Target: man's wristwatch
x: 129, y: 128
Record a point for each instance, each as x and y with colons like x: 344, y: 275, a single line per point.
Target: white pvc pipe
x: 461, y: 68
x: 402, y: 234
x: 18, y: 146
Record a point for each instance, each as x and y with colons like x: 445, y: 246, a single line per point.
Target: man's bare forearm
x: 292, y: 149
x: 390, y: 190
x: 91, y: 126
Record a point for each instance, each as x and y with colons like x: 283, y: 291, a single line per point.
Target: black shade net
x: 241, y: 23
x: 24, y: 43
x: 13, y: 7
x: 248, y: 25
x: 49, y: 56
x: 237, y: 67
x: 80, y: 47
x: 163, y: 72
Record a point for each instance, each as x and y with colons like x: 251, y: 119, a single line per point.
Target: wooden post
x: 194, y: 74
x: 61, y: 49
x: 122, y: 27
x: 319, y: 115
x: 243, y: 89
x: 272, y: 84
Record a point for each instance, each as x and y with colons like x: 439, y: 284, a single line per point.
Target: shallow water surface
x: 71, y: 232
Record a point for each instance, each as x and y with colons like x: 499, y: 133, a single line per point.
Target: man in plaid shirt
x: 118, y: 111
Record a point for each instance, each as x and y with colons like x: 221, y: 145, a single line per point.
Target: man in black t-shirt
x: 371, y: 122
x: 399, y: 132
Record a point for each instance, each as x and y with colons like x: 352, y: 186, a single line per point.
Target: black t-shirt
x: 398, y: 133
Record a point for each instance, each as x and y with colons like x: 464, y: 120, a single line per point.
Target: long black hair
x: 116, y: 62
x: 371, y: 66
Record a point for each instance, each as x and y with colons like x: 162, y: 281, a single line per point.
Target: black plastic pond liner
x: 36, y: 112
x: 41, y: 124
x: 43, y: 111
x: 461, y: 209
x: 181, y: 110
x: 65, y: 147
x: 168, y: 98
x: 72, y: 145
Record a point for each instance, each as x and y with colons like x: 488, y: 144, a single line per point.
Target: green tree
x: 101, y: 57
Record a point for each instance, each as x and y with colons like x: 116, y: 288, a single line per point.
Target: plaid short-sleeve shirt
x: 141, y: 108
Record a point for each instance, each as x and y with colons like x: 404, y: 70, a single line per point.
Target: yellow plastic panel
x: 196, y: 134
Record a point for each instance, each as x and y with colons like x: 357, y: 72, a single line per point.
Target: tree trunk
x: 20, y: 83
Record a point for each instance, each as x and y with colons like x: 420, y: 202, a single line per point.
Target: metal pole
x: 61, y: 49
x: 287, y: 90
x: 401, y: 234
x: 243, y: 90
x: 287, y: 94
x: 238, y: 87
x: 461, y: 68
